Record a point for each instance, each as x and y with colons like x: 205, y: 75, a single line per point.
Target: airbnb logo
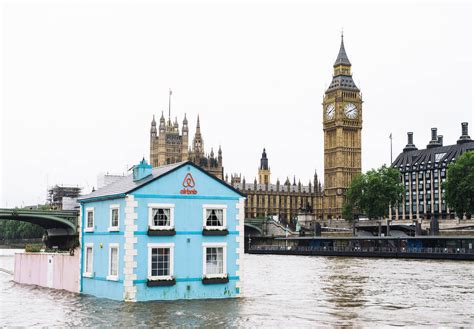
x: 188, y: 184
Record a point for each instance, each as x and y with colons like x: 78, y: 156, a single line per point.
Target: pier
x: 425, y: 247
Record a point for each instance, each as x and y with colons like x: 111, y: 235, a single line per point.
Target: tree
x: 460, y: 184
x: 372, y: 193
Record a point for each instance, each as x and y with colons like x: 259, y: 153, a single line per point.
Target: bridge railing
x: 363, y: 250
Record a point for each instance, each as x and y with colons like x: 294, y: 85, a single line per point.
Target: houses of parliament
x: 342, y: 125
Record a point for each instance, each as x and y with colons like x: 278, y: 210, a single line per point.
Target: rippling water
x: 280, y: 291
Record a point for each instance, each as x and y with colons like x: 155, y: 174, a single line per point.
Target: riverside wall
x: 52, y: 270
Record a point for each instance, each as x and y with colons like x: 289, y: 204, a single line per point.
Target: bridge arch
x: 252, y: 230
x: 49, y: 220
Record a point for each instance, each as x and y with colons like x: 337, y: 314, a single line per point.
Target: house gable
x: 188, y: 181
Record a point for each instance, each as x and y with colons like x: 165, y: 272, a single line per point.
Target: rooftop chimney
x: 410, y: 146
x: 434, y: 139
x: 440, y: 140
x: 465, y: 134
x: 142, y: 170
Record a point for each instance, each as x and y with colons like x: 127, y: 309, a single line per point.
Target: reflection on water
x: 345, y: 288
x: 280, y: 291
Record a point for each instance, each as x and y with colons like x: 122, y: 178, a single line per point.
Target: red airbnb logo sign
x: 188, y: 184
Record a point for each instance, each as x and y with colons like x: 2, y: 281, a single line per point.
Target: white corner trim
x: 130, y: 290
x: 240, y: 245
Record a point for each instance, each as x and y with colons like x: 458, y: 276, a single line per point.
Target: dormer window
x: 439, y: 156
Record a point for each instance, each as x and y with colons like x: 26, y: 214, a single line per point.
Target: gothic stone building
x: 168, y: 146
x: 423, y: 173
x: 285, y: 201
x: 342, y: 125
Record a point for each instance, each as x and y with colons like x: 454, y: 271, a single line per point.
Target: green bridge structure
x: 61, y: 226
x: 254, y: 226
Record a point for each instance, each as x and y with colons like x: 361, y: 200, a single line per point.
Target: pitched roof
x: 434, y: 157
x: 342, y: 82
x: 127, y: 184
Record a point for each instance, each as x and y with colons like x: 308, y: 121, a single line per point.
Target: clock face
x: 330, y: 111
x: 350, y: 110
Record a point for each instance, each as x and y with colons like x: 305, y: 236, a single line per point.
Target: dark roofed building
x: 423, y: 172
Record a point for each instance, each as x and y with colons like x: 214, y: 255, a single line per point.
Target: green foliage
x: 12, y: 229
x: 372, y: 193
x: 348, y: 212
x: 33, y: 247
x: 460, y: 184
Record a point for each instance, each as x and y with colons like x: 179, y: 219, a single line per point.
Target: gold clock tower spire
x: 342, y: 126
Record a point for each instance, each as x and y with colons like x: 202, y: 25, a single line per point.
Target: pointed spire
x: 185, y: 121
x: 212, y: 152
x: 342, y: 58
x: 169, y: 107
x: 198, y: 126
x: 264, y: 161
x: 162, y: 119
x: 220, y: 151
x: 294, y: 180
x: 153, y: 126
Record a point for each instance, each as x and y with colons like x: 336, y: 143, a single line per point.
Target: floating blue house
x: 172, y: 232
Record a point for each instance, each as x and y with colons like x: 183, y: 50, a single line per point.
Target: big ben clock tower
x: 342, y: 125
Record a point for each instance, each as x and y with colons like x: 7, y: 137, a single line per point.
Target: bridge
x: 60, y: 225
x: 254, y: 226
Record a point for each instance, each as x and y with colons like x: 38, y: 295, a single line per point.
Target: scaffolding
x: 57, y: 193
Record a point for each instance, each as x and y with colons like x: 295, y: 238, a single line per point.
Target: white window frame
x: 110, y: 276
x: 91, y: 273
x: 169, y: 206
x: 206, y: 207
x: 114, y: 228
x: 89, y: 228
x: 222, y: 245
x: 161, y: 245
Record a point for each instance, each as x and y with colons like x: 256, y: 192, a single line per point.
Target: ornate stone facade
x: 342, y: 125
x: 168, y: 146
x: 285, y: 201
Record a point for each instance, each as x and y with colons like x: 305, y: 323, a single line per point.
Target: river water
x: 280, y: 291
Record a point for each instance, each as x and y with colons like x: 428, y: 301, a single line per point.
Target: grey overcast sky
x: 82, y: 79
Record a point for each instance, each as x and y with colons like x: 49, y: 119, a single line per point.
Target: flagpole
x: 169, y: 106
x: 391, y: 153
